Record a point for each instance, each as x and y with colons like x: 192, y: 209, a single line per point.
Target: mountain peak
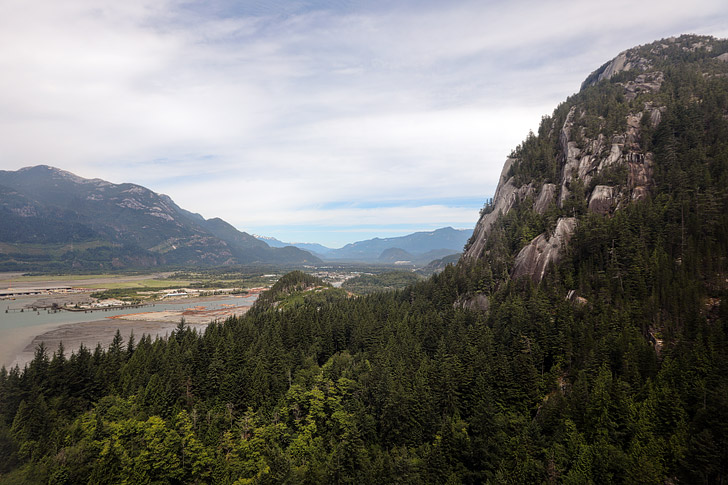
x: 598, y: 152
x: 48, y: 171
x: 654, y: 55
x: 118, y: 225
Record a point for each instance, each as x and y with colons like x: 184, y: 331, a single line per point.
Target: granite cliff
x: 594, y: 154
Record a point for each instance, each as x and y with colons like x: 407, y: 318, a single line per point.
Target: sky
x: 310, y: 121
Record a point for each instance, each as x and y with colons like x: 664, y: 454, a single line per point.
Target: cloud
x: 271, y: 113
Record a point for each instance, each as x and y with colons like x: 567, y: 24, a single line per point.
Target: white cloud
x: 276, y: 112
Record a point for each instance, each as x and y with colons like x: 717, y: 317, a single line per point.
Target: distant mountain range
x: 53, y: 219
x: 416, y: 248
x: 311, y: 247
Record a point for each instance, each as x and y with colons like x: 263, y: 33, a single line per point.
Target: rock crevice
x: 535, y: 257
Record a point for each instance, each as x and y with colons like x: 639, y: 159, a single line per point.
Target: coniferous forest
x: 626, y: 383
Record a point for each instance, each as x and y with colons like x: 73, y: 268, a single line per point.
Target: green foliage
x: 536, y: 157
x: 406, y: 386
x: 392, y: 280
x: 126, y: 294
x: 288, y: 285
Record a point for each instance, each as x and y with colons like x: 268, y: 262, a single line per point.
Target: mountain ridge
x: 125, y: 225
x: 606, y: 364
x: 439, y: 242
x: 577, y: 164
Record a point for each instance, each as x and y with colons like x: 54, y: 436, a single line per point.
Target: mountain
x: 395, y: 255
x: 441, y: 242
x: 613, y: 144
x: 53, y: 219
x: 582, y: 338
x: 438, y: 265
x: 314, y: 248
x: 421, y: 247
x: 228, y: 233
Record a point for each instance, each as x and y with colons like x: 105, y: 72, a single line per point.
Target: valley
x: 580, y: 337
x: 81, y: 309
x: 88, y: 309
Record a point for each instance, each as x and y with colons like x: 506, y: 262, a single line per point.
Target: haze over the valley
x: 326, y: 122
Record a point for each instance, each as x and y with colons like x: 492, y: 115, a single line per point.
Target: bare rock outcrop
x: 534, y: 258
x: 625, y: 61
x: 602, y: 199
x: 506, y: 196
x: 478, y: 302
x: 640, y: 174
x: 647, y: 82
x: 573, y: 297
x: 655, y: 113
x: 545, y: 197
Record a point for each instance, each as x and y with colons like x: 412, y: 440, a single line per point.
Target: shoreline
x: 17, y: 347
x: 91, y: 334
x: 13, y: 346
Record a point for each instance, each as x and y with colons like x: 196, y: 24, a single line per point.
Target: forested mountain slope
x: 605, y: 361
x: 424, y: 245
x: 419, y: 247
x: 51, y: 219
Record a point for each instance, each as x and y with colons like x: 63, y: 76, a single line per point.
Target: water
x: 29, y: 318
x: 18, y: 329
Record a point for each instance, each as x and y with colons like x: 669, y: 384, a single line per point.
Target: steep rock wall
x: 584, y: 161
x: 506, y: 195
x: 535, y: 257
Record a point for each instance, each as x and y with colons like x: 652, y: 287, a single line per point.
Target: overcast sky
x: 329, y: 122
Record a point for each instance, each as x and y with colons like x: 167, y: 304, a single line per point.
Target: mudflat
x: 19, y: 341
x: 14, y: 341
x: 91, y: 334
x: 17, y: 345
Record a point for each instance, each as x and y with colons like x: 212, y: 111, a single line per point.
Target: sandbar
x: 90, y: 334
x: 14, y: 341
x: 17, y: 345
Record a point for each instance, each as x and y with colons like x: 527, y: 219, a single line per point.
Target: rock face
x: 545, y: 197
x: 596, y: 159
x: 506, y: 195
x: 534, y: 258
x: 625, y: 61
x: 640, y: 174
x: 602, y: 199
x: 477, y: 302
x: 582, y: 160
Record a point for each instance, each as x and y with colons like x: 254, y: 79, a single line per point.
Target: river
x: 17, y: 329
